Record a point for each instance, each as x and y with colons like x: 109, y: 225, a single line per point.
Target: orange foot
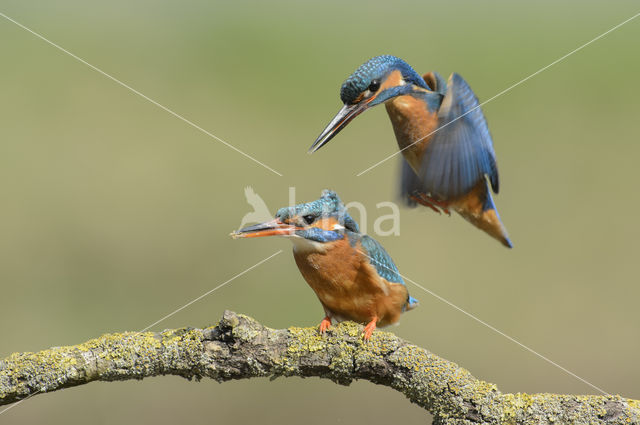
x: 368, y: 330
x: 425, y: 203
x: 324, y: 325
x: 432, y: 203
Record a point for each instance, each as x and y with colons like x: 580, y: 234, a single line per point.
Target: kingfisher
x: 351, y: 273
x: 448, y: 156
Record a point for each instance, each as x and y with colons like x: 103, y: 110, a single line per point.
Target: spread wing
x: 460, y: 152
x: 409, y: 183
x: 381, y: 260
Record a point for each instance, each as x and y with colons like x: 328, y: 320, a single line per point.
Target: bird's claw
x: 324, y: 325
x: 368, y: 329
x: 437, y: 206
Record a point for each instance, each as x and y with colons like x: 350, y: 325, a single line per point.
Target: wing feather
x: 409, y: 183
x: 380, y: 259
x: 460, y: 152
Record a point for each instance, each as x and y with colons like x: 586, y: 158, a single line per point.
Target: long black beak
x: 340, y: 121
x: 270, y: 228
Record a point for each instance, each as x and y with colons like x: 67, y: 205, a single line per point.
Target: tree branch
x: 239, y: 347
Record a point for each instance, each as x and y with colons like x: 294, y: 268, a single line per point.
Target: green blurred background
x: 114, y: 213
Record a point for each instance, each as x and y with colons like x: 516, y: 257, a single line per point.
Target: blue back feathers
x: 386, y: 268
x: 376, y: 68
x: 380, y: 259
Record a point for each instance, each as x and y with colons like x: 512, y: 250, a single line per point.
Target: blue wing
x: 380, y: 259
x: 409, y: 183
x: 460, y: 152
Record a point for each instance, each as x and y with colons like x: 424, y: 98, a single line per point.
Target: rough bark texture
x: 239, y: 347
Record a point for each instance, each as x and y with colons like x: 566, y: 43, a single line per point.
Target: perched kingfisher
x: 441, y: 132
x: 351, y: 273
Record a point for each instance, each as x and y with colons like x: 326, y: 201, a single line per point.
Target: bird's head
x: 374, y: 82
x: 322, y: 220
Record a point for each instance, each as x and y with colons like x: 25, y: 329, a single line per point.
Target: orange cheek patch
x: 328, y: 223
x: 393, y: 80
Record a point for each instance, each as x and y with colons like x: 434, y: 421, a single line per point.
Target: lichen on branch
x: 239, y: 347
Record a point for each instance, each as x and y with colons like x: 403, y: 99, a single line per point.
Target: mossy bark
x: 239, y: 347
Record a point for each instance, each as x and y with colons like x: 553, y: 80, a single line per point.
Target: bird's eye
x: 374, y: 86
x: 309, y: 219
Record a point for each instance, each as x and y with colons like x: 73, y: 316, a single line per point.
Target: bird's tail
x: 478, y: 209
x: 412, y: 303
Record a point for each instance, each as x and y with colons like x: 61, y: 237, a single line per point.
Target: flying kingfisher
x: 441, y: 132
x: 351, y: 273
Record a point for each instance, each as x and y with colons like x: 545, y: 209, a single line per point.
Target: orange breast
x: 348, y: 287
x: 411, y: 122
